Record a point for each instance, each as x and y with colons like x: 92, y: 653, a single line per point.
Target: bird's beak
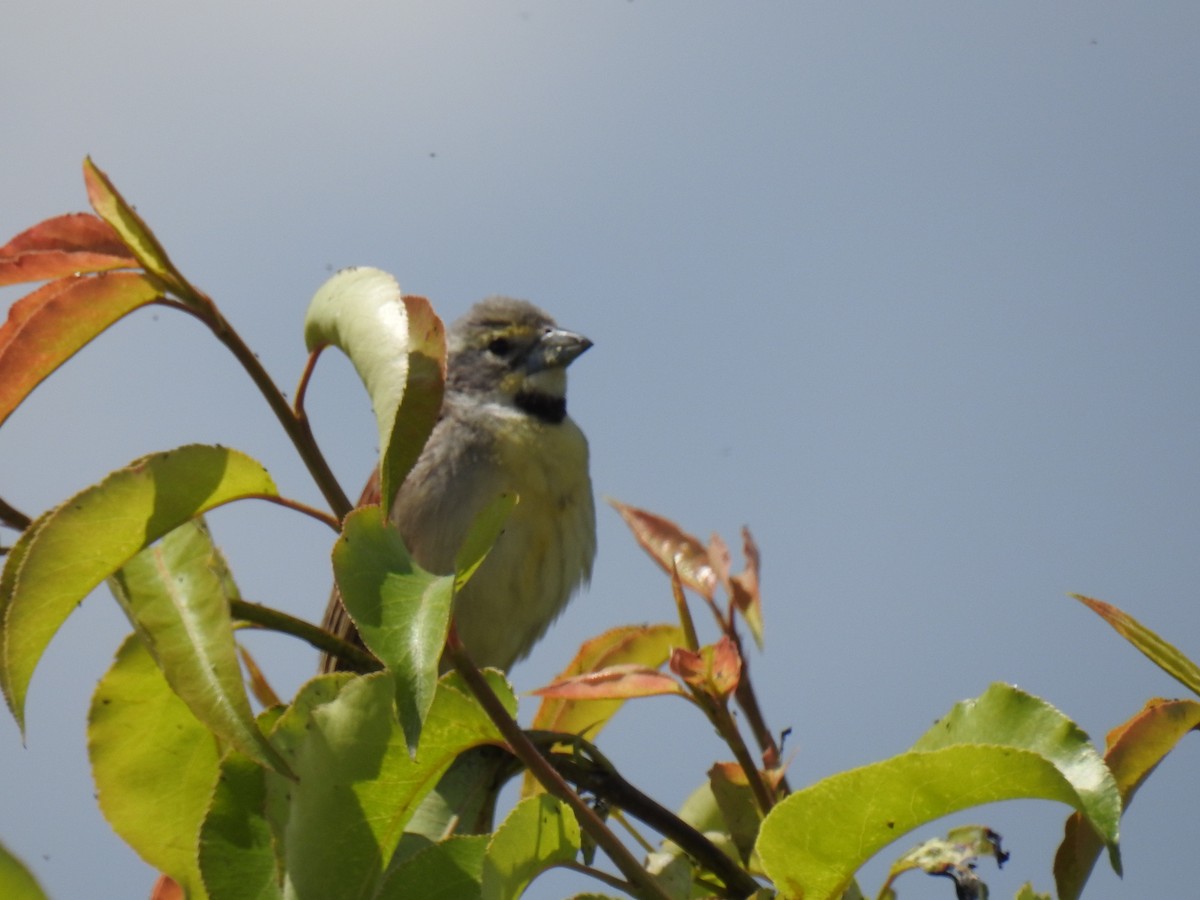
x: 556, y: 349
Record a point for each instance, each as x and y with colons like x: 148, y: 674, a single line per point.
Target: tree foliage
x: 353, y: 788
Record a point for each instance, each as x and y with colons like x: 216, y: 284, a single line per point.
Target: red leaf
x: 743, y: 588
x: 614, y: 683
x: 714, y: 669
x: 667, y: 543
x: 49, y: 326
x: 62, y: 246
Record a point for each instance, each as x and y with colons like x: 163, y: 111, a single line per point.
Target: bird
x: 503, y: 426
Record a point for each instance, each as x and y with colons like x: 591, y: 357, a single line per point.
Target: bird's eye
x: 499, y: 347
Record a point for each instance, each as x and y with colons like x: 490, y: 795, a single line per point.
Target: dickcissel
x: 503, y: 427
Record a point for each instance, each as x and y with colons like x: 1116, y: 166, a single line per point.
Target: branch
x: 297, y: 429
x: 524, y: 749
x: 597, y: 777
x: 747, y: 700
x: 13, y: 518
x: 273, y: 620
x: 297, y: 506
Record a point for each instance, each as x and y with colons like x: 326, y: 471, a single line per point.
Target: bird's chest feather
x: 545, y: 551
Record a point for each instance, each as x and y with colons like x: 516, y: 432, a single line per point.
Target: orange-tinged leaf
x: 720, y: 559
x: 688, y: 624
x: 166, y: 888
x: 259, y: 686
x: 1135, y: 748
x: 645, y: 645
x: 49, y: 326
x: 1160, y: 652
x: 731, y: 772
x: 65, y: 245
x: 613, y: 683
x: 668, y: 544
x: 421, y: 403
x: 136, y: 235
x: 715, y: 669
x: 743, y: 588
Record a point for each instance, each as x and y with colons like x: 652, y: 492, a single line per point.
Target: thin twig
x: 747, y: 700
x: 13, y: 517
x: 611, y: 880
x: 302, y: 388
x: 727, y: 727
x: 597, y: 778
x: 641, y: 880
x: 273, y: 620
x: 296, y: 429
x: 318, y: 514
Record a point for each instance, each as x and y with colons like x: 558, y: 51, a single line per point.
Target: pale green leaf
x: 402, y: 612
x: 1005, y: 715
x: 1028, y: 893
x: 358, y: 787
x: 135, y: 234
x: 237, y: 854
x: 70, y: 550
x: 448, y: 870
x: 153, y: 763
x: 540, y: 832
x: 177, y: 592
x: 486, y: 527
x: 16, y: 881
x: 813, y: 842
x: 398, y: 347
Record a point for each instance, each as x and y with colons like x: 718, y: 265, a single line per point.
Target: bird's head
x: 509, y: 352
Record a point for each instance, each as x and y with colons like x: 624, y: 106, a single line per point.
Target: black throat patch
x: 543, y: 407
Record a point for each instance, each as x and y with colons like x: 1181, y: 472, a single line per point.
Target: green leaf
x: 448, y: 870
x: 136, y: 235
x: 398, y: 347
x: 1134, y: 750
x: 1010, y: 717
x: 61, y: 247
x: 52, y: 324
x: 539, y: 833
x: 486, y: 527
x: 813, y: 842
x: 401, y: 611
x: 67, y: 552
x: 237, y: 854
x: 1005, y: 745
x: 1028, y: 893
x: 16, y: 881
x: 154, y: 764
x: 176, y: 593
x: 735, y: 799
x: 1163, y: 654
x: 338, y: 826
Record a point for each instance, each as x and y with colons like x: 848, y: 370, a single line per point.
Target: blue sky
x: 911, y: 289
